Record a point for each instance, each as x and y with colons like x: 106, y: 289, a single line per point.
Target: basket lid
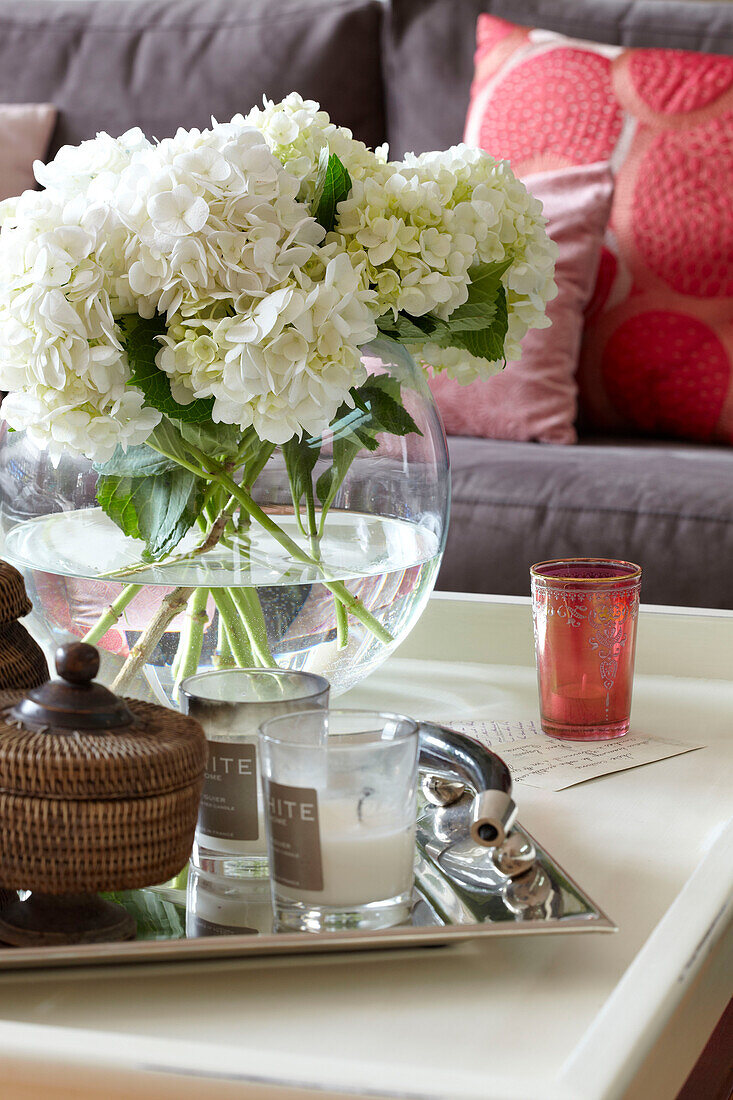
x: 14, y: 602
x: 74, y: 702
x: 73, y: 739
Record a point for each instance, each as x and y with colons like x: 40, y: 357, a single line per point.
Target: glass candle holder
x: 585, y: 613
x: 341, y: 802
x: 231, y: 704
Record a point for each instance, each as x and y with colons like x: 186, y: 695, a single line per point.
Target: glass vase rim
x: 628, y: 572
x: 320, y: 685
x: 372, y: 736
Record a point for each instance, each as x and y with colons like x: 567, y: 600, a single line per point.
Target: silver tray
x: 460, y: 894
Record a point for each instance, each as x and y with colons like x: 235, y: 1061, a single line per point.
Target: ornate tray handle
x: 453, y: 762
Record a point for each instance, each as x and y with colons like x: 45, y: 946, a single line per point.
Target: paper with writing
x: 546, y: 762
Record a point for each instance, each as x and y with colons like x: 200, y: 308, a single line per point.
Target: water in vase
x: 389, y: 564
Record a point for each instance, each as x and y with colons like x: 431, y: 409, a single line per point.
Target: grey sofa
x: 401, y: 71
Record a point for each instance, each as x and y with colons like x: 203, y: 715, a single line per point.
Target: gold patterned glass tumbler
x: 585, y: 613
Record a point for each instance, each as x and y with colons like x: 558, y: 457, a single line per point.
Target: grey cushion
x: 160, y: 64
x: 429, y: 47
x: 667, y: 506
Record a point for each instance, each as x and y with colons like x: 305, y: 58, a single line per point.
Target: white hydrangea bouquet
x: 174, y: 311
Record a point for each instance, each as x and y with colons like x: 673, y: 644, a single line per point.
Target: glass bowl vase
x: 247, y: 600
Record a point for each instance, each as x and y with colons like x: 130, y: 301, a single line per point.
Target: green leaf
x: 213, y: 439
x: 487, y: 343
x: 167, y: 437
x: 378, y: 409
x: 484, y: 284
x: 382, y: 394
x: 139, y: 461
x: 479, y: 326
x: 150, y: 498
x: 482, y: 311
x: 139, y: 337
x: 345, y: 450
x: 301, y: 456
x: 333, y: 185
x: 346, y: 446
x: 411, y: 330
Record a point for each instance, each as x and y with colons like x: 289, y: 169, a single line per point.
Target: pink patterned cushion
x: 25, y: 131
x: 657, y: 353
x: 535, y: 398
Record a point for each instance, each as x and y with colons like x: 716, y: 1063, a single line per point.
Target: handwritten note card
x: 543, y: 761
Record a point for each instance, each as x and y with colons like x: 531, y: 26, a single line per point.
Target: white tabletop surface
x: 599, y: 1016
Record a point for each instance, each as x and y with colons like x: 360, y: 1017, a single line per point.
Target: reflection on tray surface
x: 456, y: 884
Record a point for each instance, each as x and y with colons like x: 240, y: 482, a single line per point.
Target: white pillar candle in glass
x: 230, y: 705
x: 340, y: 789
x: 361, y: 862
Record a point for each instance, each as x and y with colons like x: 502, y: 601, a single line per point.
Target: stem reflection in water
x: 240, y: 611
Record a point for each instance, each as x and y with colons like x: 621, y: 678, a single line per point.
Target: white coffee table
x: 534, y: 1019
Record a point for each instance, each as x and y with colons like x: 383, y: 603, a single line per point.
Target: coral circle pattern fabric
x: 657, y: 354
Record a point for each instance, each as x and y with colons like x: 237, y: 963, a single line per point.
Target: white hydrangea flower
x: 213, y: 214
x: 206, y: 220
x: 76, y: 420
x: 60, y: 355
x: 457, y: 363
x: 92, y: 167
x: 483, y: 199
x: 296, y: 130
x: 265, y: 313
x: 285, y: 364
x: 418, y: 225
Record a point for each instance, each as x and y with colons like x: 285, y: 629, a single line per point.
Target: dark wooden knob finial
x: 77, y: 662
x: 76, y: 701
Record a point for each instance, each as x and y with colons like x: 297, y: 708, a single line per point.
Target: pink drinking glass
x: 585, y: 613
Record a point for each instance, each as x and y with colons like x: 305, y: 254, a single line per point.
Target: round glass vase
x: 361, y: 577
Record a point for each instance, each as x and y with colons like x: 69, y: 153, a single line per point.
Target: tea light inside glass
x: 340, y: 789
x: 230, y: 705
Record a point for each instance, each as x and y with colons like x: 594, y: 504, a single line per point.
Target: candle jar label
x: 295, y: 841
x: 228, y: 807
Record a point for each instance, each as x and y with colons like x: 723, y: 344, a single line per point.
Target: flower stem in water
x: 352, y: 603
x: 192, y: 636
x: 342, y: 624
x: 241, y: 612
x: 224, y: 657
x: 235, y: 630
x: 171, y: 606
x: 112, y: 614
x: 248, y: 605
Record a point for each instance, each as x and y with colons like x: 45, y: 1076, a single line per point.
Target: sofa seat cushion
x: 667, y: 506
x: 161, y: 64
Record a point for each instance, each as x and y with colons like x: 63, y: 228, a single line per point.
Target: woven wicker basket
x: 14, y: 602
x: 85, y: 810
x: 22, y: 663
